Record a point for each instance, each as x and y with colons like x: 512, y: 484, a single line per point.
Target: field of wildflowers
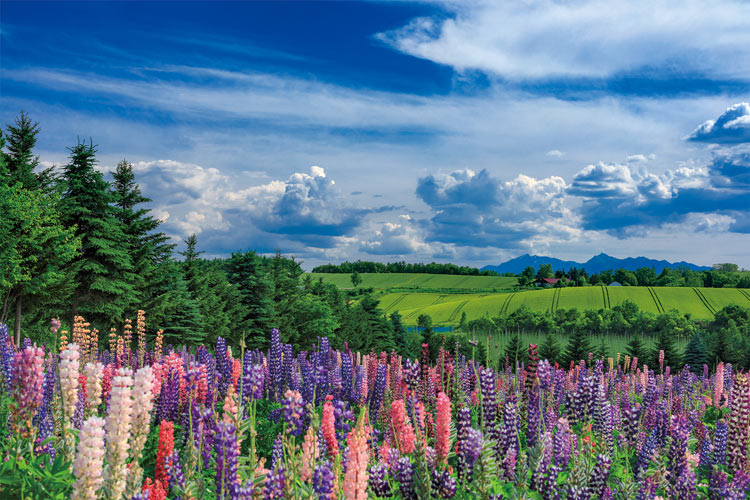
x: 154, y: 422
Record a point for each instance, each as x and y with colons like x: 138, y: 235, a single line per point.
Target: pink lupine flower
x: 230, y: 406
x: 357, y: 456
x: 28, y: 379
x: 119, y: 419
x: 328, y: 427
x: 89, y: 460
x: 68, y: 369
x: 310, y: 454
x: 443, y: 430
x: 661, y: 360
x: 718, y: 384
x: 403, y: 432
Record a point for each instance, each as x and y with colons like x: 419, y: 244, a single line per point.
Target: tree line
x: 362, y: 266
x: 721, y: 276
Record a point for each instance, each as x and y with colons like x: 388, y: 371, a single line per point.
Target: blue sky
x: 469, y: 132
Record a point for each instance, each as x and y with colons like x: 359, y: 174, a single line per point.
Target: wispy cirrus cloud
x: 545, y: 39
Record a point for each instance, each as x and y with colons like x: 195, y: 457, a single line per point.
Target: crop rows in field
x: 701, y: 303
x: 383, y: 281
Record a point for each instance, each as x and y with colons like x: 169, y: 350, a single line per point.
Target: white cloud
x: 731, y: 127
x: 555, y: 153
x: 542, y: 39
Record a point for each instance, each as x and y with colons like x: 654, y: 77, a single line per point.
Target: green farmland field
x: 383, y: 281
x: 701, y: 303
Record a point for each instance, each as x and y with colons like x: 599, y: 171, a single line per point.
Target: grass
x: 384, y: 281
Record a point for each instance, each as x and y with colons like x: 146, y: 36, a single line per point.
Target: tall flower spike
x: 89, y: 460
x: 443, y: 430
x: 739, y: 436
x: 357, y: 456
x: 328, y: 427
x: 119, y: 419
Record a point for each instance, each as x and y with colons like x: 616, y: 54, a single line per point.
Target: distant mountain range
x: 595, y: 264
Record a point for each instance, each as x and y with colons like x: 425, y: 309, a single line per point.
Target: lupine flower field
x: 152, y: 422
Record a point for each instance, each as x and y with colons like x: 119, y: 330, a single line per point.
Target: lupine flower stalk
x: 89, y: 460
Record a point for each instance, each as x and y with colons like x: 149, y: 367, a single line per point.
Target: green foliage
x: 578, y: 348
x: 696, y: 353
x: 20, y: 161
x: 635, y: 348
x: 35, y: 478
x: 399, y: 333
x: 245, y: 270
x: 515, y: 351
x: 550, y: 349
x: 103, y: 269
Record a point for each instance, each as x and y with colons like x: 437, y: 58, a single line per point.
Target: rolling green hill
x: 384, y: 281
x: 701, y: 303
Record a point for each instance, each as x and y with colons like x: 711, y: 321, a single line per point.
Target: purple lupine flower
x: 649, y: 448
x: 205, y: 358
x: 443, y: 484
x: 174, y: 468
x: 740, y: 485
x: 222, y: 365
x: 225, y: 446
x: 77, y: 419
x: 561, y: 443
x: 286, y: 366
x: 294, y: 412
x: 169, y: 398
x: 274, y: 362
x: 378, y: 482
x: 468, y: 454
x: 705, y: 457
x: 277, y: 452
x: 403, y: 472
x: 720, y: 443
x: 323, y: 481
x: 685, y: 485
x: 6, y: 356
x: 489, y: 397
x: 534, y: 416
x: 346, y: 376
x: 377, y: 393
x: 143, y: 495
x: 717, y: 484
x: 275, y: 484
x: 511, y: 426
x: 411, y: 374
x: 599, y: 477
x: 343, y: 418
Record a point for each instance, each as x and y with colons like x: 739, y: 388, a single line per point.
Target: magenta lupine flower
x: 28, y: 380
x: 739, y: 433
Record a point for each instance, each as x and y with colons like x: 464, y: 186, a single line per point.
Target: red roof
x: 551, y: 281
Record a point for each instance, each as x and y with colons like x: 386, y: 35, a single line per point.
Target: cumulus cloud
x: 731, y: 127
x: 306, y: 208
x: 624, y: 200
x: 555, y: 153
x: 478, y: 209
x: 400, y: 238
x: 543, y: 39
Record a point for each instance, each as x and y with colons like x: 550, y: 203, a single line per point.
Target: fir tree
x: 602, y: 350
x: 635, y: 348
x: 103, y: 269
x: 399, y: 333
x: 176, y: 311
x: 665, y: 342
x: 550, y: 349
x: 579, y: 347
x: 515, y: 352
x: 147, y: 246
x: 696, y: 354
x: 245, y: 270
x: 20, y: 159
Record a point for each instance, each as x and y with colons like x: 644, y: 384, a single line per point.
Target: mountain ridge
x: 596, y: 264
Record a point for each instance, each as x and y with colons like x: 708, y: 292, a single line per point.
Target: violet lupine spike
x: 274, y: 362
x: 403, y: 472
x: 6, y: 356
x: 222, y: 365
x: 286, y: 366
x: 227, y: 451
x: 378, y: 392
x: 443, y: 484
x: 378, y: 481
x: 323, y: 481
x: 468, y: 454
x: 277, y: 453
x: 601, y: 472
x: 534, y: 416
x: 346, y: 376
x: 294, y: 412
x: 489, y: 397
x: 275, y: 484
x: 720, y: 443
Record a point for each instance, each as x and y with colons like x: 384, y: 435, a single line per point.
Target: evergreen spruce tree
x: 636, y: 349
x: 723, y: 344
x: 579, y: 347
x: 696, y: 354
x: 245, y: 270
x: 665, y: 342
x: 176, y: 311
x: 515, y: 351
x: 146, y: 246
x: 20, y: 159
x: 550, y: 349
x: 399, y: 333
x: 602, y: 350
x: 103, y: 269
